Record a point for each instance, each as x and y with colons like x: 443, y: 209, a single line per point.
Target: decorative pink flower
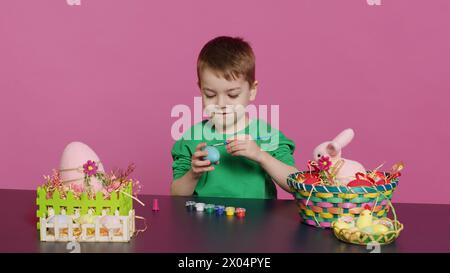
x: 324, y: 163
x: 90, y: 168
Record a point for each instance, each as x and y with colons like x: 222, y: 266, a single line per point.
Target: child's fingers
x: 231, y: 141
x: 234, y: 143
x: 237, y: 147
x: 200, y: 146
x: 235, y: 138
x: 200, y: 154
x: 238, y: 153
x: 201, y: 163
x: 240, y: 142
x: 203, y: 169
x: 237, y: 141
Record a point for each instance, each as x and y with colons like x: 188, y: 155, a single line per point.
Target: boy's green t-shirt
x: 234, y: 176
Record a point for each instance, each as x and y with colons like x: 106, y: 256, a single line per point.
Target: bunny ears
x: 334, y: 147
x: 344, y: 138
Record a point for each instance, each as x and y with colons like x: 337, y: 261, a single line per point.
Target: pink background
x: 108, y: 73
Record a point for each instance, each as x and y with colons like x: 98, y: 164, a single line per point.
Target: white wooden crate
x: 57, y: 232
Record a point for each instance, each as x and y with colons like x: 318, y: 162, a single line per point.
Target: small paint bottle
x: 240, y: 212
x: 209, y: 208
x: 200, y: 206
x: 190, y: 205
x: 229, y: 211
x: 155, y: 206
x: 219, y: 209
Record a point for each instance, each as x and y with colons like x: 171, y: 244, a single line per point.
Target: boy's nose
x: 221, y: 102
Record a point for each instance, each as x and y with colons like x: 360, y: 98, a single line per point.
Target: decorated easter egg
x: 78, y: 160
x: 375, y: 229
x: 345, y: 222
x: 380, y: 229
x: 213, y: 154
x: 380, y: 182
x: 308, y: 178
x: 379, y: 178
x: 86, y: 219
x: 110, y: 222
x: 384, y: 222
x: 341, y: 225
x: 360, y: 183
x: 59, y: 219
x: 311, y: 179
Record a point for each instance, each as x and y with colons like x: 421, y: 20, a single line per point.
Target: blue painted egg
x: 213, y: 154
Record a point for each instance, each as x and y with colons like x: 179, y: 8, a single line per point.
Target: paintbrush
x: 226, y: 141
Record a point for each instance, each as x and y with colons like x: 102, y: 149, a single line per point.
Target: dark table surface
x: 270, y: 226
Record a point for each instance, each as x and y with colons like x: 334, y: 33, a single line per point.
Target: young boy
x: 226, y: 78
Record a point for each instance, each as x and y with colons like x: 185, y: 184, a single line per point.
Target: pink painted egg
x: 74, y: 157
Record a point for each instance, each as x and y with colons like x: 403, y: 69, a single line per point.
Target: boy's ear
x: 253, y: 91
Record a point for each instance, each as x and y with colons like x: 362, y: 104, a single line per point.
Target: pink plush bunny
x: 332, y: 149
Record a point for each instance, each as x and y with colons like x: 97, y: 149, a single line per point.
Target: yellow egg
x: 86, y: 219
x: 341, y: 225
x: 380, y: 229
x: 375, y: 229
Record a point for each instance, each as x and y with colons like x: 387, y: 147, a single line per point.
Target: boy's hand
x: 244, y: 145
x: 199, y: 166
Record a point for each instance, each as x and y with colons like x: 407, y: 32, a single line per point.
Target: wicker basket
x: 321, y: 205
